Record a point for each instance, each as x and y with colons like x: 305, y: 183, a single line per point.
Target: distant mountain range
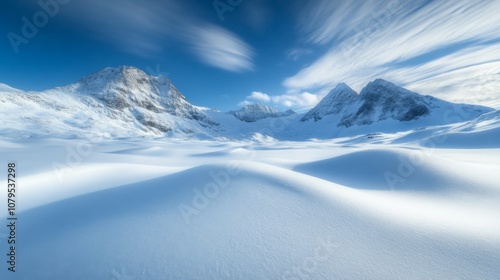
x: 255, y: 112
x: 126, y: 102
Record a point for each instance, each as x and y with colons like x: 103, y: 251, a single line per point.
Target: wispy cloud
x: 145, y: 27
x: 297, y: 101
x: 323, y: 20
x: 297, y: 53
x: 420, y: 44
x: 135, y: 27
x: 220, y: 48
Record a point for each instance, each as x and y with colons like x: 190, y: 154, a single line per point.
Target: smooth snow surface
x: 388, y: 206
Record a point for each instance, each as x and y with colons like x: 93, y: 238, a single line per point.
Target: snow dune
x: 156, y: 209
x: 401, y: 169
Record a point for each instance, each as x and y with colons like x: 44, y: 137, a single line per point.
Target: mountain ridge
x: 124, y: 101
x: 258, y: 111
x: 380, y: 100
x: 333, y: 103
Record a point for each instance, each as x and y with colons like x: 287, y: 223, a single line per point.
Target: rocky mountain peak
x: 337, y: 100
x: 130, y: 90
x: 379, y: 100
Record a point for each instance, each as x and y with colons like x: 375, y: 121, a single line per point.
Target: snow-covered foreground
x: 173, y: 209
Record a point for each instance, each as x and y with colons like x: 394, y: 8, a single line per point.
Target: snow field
x: 156, y: 209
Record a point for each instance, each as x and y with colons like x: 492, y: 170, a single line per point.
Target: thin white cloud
x: 297, y: 53
x: 387, y: 40
x: 259, y: 96
x: 137, y: 27
x: 245, y: 103
x: 296, y: 101
x: 220, y: 48
x: 142, y: 28
x: 482, y: 85
x: 324, y: 20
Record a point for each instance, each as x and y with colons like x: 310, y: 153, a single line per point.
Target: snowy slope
x: 4, y: 88
x: 483, y: 131
x: 114, y: 102
x: 480, y: 133
x: 241, y: 210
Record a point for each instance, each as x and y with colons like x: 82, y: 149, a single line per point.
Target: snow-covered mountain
x: 126, y: 102
x: 255, y: 112
x: 114, y: 102
x: 128, y: 87
x: 381, y: 100
x: 338, y: 101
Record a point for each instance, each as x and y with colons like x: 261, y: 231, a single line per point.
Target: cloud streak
x: 135, y: 27
x: 220, y: 48
x: 297, y: 53
x: 143, y: 28
x: 419, y: 44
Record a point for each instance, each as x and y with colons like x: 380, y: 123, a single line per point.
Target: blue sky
x: 285, y: 53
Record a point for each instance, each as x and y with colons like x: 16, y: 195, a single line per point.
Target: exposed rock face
x: 380, y: 100
x: 338, y: 101
x: 128, y: 87
x: 114, y: 102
